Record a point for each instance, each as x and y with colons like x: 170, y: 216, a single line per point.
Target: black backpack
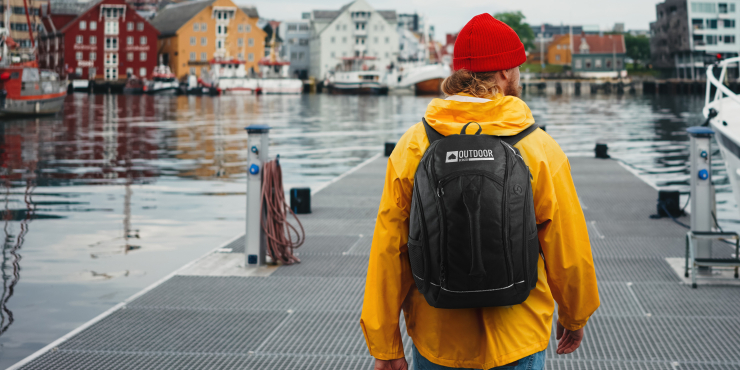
x: 472, y: 228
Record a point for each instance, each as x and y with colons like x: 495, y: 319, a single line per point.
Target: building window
x: 203, y: 27
x: 111, y: 59
x: 697, y: 23
x: 712, y: 24
x: 91, y: 73
x: 240, y: 42
x: 140, y: 26
x: 332, y: 39
x: 240, y: 56
x: 78, y: 72
x: 250, y: 42
x: 93, y: 55
x: 78, y: 55
x: 203, y: 57
x: 93, y: 25
x: 142, y: 40
x: 387, y: 40
x: 130, y: 57
x: 332, y: 54
x: 111, y: 74
x: 722, y: 8
x: 339, y: 27
x: 619, y: 64
x: 195, y: 27
x: 597, y: 63
x: 250, y: 57
x: 248, y: 28
x: 608, y: 63
x: 344, y: 40
x: 111, y: 27
x: 129, y: 71
x: 557, y: 57
x: 142, y: 56
x: 129, y: 40
x: 579, y: 65
x: 192, y: 56
x: 588, y: 63
x: 192, y: 41
x: 219, y: 44
x: 78, y: 40
x: 192, y: 70
x: 83, y: 25
x: 203, y: 41
x: 240, y: 28
x: 729, y: 23
x: 732, y: 7
x: 729, y: 39
x: 129, y: 26
x: 711, y: 39
x: 93, y: 40
x: 142, y: 72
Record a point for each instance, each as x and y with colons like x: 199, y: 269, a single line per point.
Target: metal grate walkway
x: 307, y: 316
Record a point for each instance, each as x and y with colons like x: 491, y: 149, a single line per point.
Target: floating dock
x: 212, y: 314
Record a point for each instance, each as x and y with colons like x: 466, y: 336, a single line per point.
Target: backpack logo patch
x: 469, y: 156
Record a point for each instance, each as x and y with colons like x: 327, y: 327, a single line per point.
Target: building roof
x: 250, y: 10
x: 174, y: 16
x: 606, y: 44
x: 330, y: 15
x: 389, y: 15
x: 68, y: 7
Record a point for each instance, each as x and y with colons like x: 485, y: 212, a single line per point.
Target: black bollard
x: 669, y: 203
x: 601, y: 151
x: 300, y: 200
x: 389, y: 148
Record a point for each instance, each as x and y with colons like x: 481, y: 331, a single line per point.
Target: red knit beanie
x: 486, y: 44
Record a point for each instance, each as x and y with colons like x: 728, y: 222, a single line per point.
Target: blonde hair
x: 478, y: 84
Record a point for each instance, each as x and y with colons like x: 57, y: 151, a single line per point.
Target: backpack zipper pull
x: 440, y: 192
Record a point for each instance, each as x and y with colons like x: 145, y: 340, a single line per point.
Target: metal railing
x: 722, y: 90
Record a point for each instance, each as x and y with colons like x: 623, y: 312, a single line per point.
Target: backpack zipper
x: 457, y: 174
x: 505, y: 219
x: 443, y: 221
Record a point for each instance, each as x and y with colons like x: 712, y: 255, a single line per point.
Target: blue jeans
x: 531, y: 362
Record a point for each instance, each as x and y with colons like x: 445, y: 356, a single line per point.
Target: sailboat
x: 25, y: 89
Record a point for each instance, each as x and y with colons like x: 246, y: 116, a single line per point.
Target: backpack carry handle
x: 480, y: 128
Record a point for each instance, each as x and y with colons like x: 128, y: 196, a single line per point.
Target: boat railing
x: 722, y: 90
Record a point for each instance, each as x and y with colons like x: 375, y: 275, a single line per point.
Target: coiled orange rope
x: 282, y: 237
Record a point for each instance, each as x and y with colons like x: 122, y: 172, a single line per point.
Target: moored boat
x: 425, y: 79
x: 355, y: 77
x: 134, y: 85
x: 163, y: 81
x: 722, y: 110
x: 275, y: 72
x: 229, y: 76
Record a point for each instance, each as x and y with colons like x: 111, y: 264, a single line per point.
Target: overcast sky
x: 450, y: 16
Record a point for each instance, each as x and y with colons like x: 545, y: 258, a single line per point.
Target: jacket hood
x: 501, y: 116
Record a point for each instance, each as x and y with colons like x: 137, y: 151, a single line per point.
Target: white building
x: 355, y: 30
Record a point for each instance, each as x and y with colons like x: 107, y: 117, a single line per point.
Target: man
x: 484, y: 88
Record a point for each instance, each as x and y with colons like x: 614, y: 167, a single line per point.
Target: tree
x: 515, y: 20
x: 638, y: 48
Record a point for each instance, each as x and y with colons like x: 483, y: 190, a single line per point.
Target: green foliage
x: 515, y: 20
x: 638, y: 48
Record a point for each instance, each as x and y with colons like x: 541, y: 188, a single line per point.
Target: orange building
x: 192, y: 33
x: 558, y: 52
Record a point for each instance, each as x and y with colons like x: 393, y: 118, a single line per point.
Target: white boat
x: 230, y: 77
x: 722, y: 109
x: 163, y: 81
x: 355, y: 77
x: 275, y: 72
x: 424, y: 79
x: 80, y: 85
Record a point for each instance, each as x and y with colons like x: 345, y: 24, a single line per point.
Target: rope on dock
x: 282, y: 236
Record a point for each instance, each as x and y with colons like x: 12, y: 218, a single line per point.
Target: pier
x: 212, y: 313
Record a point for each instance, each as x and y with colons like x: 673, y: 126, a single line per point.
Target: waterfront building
x: 296, y: 36
x: 559, y: 51
x: 598, y: 56
x: 356, y: 30
x: 194, y: 33
x: 687, y: 36
x: 411, y: 37
x: 105, y: 41
x: 19, y: 24
x: 544, y: 33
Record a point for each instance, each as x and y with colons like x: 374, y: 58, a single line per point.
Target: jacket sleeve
x: 566, y: 248
x: 389, y: 273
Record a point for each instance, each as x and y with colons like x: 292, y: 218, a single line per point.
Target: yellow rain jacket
x: 479, y: 338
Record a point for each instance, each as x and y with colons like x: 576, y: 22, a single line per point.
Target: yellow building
x: 558, y: 52
x: 192, y: 33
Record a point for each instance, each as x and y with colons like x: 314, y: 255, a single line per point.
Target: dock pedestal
x: 702, y: 196
x: 258, y: 142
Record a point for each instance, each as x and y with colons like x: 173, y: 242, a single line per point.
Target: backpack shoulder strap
x: 432, y: 134
x: 513, y: 140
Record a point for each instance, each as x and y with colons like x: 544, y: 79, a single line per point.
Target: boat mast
x: 30, y: 29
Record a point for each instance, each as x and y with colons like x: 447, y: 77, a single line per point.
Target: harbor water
x: 118, y: 191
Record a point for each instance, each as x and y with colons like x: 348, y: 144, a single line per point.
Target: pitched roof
x: 69, y: 8
x: 389, y: 15
x: 251, y: 11
x: 174, y: 16
x: 325, y: 14
x: 606, y: 44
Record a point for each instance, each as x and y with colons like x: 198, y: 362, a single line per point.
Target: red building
x: 104, y: 41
